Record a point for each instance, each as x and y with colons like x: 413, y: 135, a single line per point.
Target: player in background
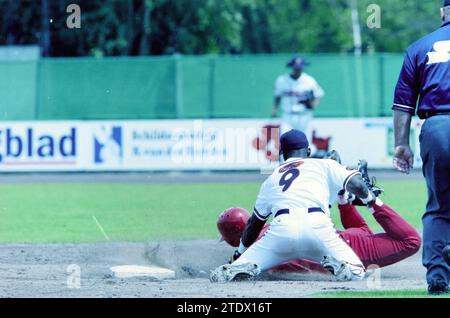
x: 399, y: 240
x: 298, y: 94
x: 298, y: 193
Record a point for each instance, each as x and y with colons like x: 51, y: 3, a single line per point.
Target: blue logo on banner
x: 108, y: 145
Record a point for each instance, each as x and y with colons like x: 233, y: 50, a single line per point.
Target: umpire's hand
x: 403, y: 159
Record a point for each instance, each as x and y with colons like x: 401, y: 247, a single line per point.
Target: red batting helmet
x: 231, y: 225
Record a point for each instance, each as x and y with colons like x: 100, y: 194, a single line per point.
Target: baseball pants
x: 301, y: 235
x: 435, y: 153
x: 300, y: 121
x: 399, y: 241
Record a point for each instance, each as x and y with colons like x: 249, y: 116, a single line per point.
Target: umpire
x: 425, y: 76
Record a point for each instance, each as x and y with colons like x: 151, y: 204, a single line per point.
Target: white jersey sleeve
x: 262, y: 208
x: 279, y: 86
x: 339, y: 175
x: 317, y: 90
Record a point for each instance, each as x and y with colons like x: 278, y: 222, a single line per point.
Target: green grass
x: 47, y: 213
x: 419, y: 293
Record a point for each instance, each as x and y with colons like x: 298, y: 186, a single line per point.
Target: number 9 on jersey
x: 288, y: 177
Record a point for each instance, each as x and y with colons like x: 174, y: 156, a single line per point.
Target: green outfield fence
x: 188, y: 86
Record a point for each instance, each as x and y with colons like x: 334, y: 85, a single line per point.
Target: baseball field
x: 49, y: 223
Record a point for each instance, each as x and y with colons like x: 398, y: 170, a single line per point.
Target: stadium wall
x: 161, y: 145
x: 188, y: 87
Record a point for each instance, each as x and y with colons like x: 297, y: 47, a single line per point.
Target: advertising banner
x: 40, y: 146
x: 179, y: 145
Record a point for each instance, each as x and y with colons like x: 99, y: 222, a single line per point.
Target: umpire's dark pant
x: 435, y: 153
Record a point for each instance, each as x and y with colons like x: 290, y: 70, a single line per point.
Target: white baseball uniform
x: 291, y: 91
x: 298, y: 194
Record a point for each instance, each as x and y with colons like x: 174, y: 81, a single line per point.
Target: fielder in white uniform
x: 298, y: 93
x: 298, y: 194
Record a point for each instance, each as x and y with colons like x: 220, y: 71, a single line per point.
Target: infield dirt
x: 34, y: 270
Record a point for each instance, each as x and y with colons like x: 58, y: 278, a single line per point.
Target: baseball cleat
x: 370, y: 183
x: 437, y: 289
x: 362, y: 168
x: 232, y: 272
x: 339, y: 269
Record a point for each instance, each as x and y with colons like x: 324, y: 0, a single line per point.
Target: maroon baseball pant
x: 399, y: 240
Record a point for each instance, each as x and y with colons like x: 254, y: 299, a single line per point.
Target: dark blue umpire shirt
x: 426, y: 75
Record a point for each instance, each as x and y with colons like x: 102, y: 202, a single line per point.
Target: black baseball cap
x: 293, y: 140
x: 446, y: 3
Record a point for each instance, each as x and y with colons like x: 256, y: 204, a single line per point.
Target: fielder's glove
x: 369, y: 201
x: 374, y: 191
x: 307, y: 99
x: 345, y: 197
x: 235, y: 256
x: 333, y: 155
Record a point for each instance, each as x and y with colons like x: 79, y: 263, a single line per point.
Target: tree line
x: 158, y: 27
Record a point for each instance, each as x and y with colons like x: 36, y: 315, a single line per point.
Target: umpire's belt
x: 286, y: 211
x: 430, y: 114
